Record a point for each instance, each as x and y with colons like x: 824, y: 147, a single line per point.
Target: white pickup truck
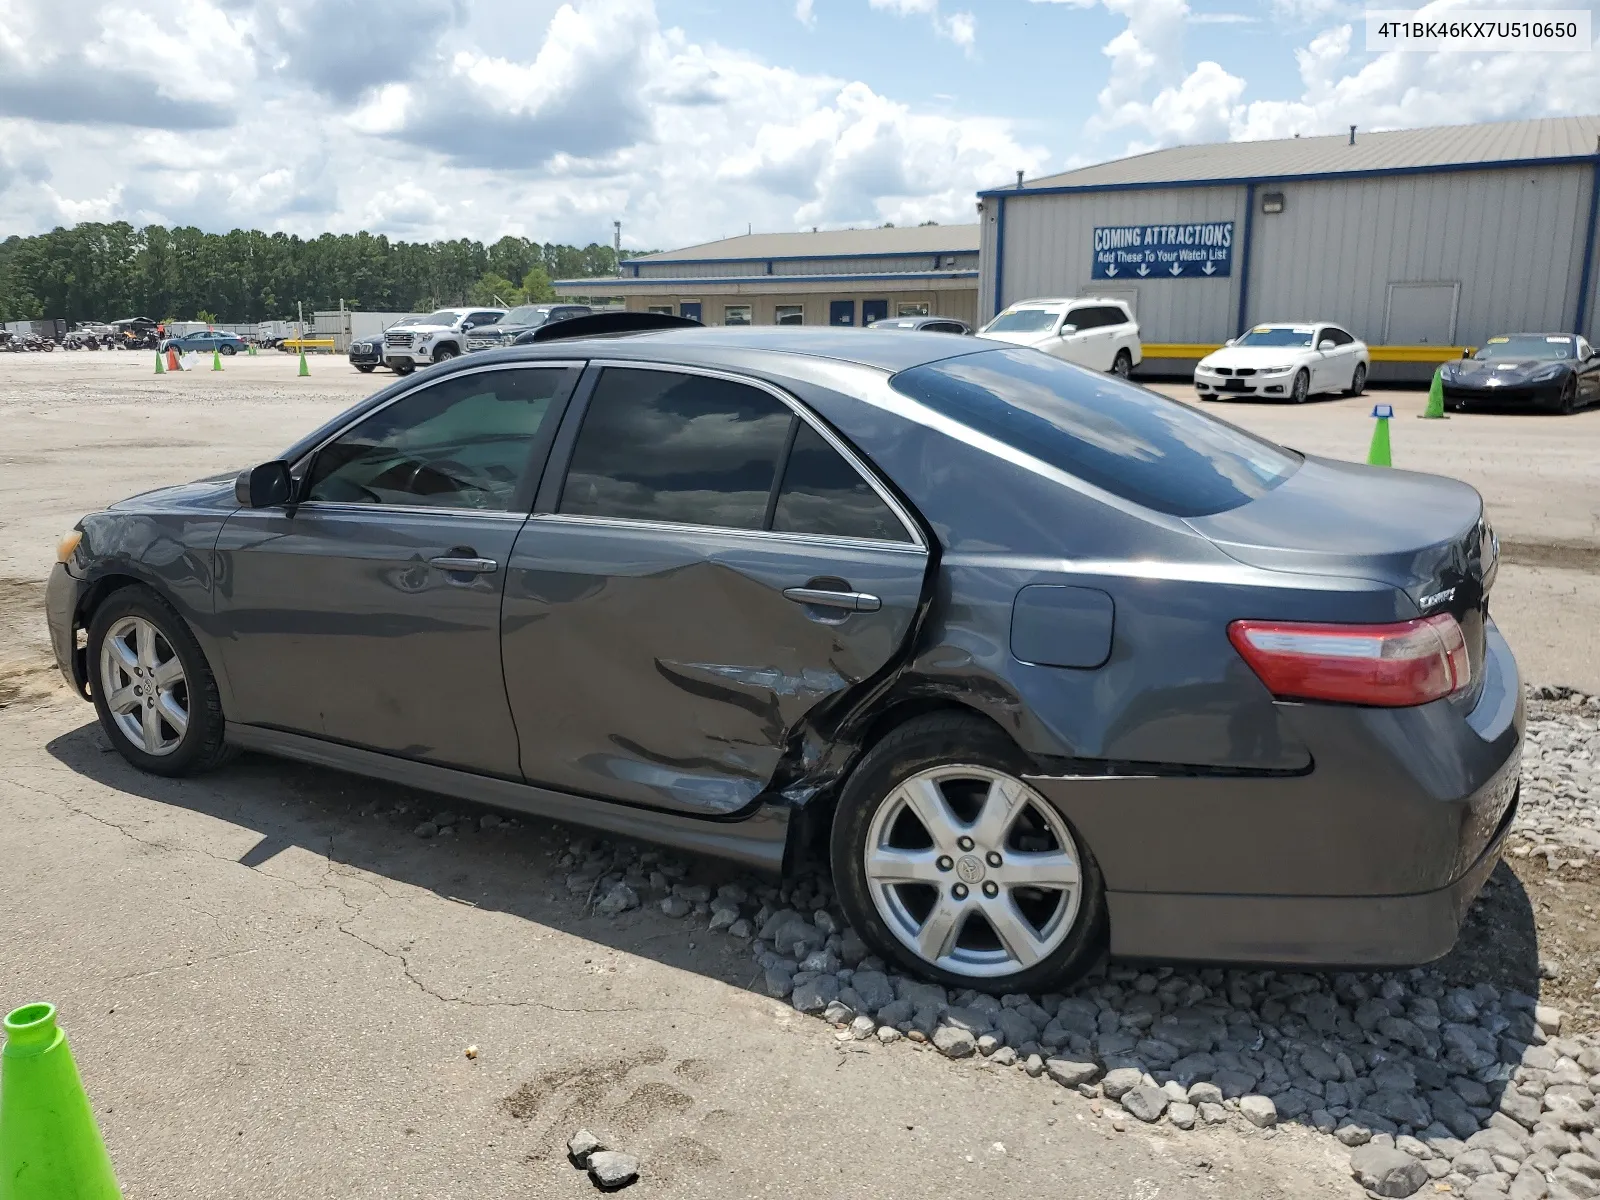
x: 439, y: 336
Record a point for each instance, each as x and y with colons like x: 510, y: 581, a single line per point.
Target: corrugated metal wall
x: 958, y: 303
x: 866, y: 265
x: 1511, y: 239
x: 1049, y: 251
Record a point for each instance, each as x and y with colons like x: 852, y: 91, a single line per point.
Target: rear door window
x: 683, y: 449
x: 823, y: 494
x: 1117, y: 436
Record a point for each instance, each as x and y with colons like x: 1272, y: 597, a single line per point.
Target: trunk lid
x: 1423, y: 534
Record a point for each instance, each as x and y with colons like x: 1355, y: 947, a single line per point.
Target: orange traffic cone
x: 172, y: 359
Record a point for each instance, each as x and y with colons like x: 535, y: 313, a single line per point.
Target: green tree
x: 536, y: 287
x: 496, y: 290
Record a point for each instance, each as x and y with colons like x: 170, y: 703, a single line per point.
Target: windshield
x: 1277, y: 335
x: 407, y: 321
x: 1024, y: 320
x: 1131, y: 442
x: 528, y: 314
x: 1524, y: 346
x: 443, y: 317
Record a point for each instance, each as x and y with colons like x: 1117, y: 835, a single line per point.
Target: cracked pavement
x: 270, y: 994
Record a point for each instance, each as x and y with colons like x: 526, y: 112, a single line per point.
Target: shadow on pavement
x: 1434, y: 1053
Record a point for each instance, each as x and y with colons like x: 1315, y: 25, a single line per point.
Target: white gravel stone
x: 1260, y: 1111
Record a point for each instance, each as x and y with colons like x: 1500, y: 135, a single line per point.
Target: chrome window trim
x: 795, y: 406
x: 348, y: 508
x: 817, y: 539
x: 304, y: 459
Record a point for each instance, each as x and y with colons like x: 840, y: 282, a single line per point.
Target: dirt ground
x: 270, y: 990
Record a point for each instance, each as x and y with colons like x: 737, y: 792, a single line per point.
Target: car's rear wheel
x: 949, y: 864
x: 1123, y: 366
x: 1301, y: 388
x: 1358, y: 381
x: 153, y: 689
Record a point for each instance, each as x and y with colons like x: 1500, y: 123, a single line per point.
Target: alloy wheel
x: 146, y: 690
x: 1301, y: 388
x: 973, y: 871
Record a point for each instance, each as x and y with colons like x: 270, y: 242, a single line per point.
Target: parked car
x: 1034, y: 656
x: 1093, y: 332
x: 366, y: 355
x: 205, y: 341
x: 438, y: 337
x: 1556, y: 371
x: 1291, y: 361
x: 520, y: 320
x: 923, y: 324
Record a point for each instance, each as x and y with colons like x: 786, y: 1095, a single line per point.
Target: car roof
x: 885, y: 350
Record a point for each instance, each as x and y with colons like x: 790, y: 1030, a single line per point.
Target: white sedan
x: 1285, y: 362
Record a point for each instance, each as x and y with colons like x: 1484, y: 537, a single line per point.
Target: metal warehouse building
x: 1421, y: 242
x: 836, y: 277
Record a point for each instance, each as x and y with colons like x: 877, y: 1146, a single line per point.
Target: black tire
x: 202, y: 746
x: 1122, y: 366
x: 1569, y: 399
x: 402, y: 366
x: 445, y: 353
x: 1358, y: 382
x: 1300, y: 389
x: 228, y: 350
x: 366, y: 368
x: 935, y: 740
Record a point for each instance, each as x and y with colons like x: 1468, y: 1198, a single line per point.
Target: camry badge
x: 1437, y: 598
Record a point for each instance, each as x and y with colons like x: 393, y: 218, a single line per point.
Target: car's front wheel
x: 366, y: 368
x: 949, y: 864
x: 153, y: 689
x: 402, y: 366
x: 445, y: 353
x: 1301, y: 388
x: 1569, y: 398
x: 229, y: 351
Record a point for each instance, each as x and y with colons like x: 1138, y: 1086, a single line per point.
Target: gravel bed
x: 1476, y: 1091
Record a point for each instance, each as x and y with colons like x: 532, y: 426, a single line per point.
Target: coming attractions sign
x: 1199, y: 250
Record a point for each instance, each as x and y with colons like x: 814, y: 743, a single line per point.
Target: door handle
x: 827, y: 598
x: 451, y: 565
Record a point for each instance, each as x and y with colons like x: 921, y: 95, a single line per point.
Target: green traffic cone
x: 1435, y: 409
x: 50, y: 1148
x: 304, y: 370
x: 252, y: 351
x: 1378, y: 454
x: 160, y: 370
x: 216, y: 360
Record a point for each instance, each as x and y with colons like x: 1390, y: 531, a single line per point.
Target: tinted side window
x: 824, y: 494
x: 659, y: 446
x: 1083, y: 318
x: 1337, y: 336
x: 1112, y: 315
x: 1116, y: 436
x: 483, y: 318
x: 462, y: 443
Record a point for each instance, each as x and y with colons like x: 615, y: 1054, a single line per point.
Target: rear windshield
x: 1133, y: 443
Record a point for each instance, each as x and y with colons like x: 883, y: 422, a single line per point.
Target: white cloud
x: 1151, y: 93
x: 1221, y: 18
x: 960, y: 27
x: 805, y: 12
x: 598, y: 113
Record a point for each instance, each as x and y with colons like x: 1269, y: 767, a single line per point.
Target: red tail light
x: 1390, y: 666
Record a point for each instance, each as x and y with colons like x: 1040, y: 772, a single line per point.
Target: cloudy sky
x: 686, y: 119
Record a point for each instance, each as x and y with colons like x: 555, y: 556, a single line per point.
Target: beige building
x: 834, y: 277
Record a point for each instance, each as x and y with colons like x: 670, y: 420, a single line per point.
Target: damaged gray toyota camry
x: 1036, y: 658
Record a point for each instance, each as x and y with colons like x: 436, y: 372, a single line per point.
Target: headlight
x: 1545, y: 374
x: 68, y: 545
x: 1276, y: 370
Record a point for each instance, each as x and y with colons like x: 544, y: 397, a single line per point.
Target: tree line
x: 104, y: 271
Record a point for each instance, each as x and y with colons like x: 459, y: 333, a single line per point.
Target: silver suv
x: 435, y: 338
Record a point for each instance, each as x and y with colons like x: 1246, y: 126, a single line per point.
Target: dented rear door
x: 664, y: 662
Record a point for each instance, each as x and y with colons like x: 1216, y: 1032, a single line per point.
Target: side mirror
x: 1230, y: 341
x: 466, y: 325
x: 266, y: 486
x: 1327, y: 344
x: 1066, y: 329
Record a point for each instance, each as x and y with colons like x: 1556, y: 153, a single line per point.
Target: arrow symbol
x: 1209, y: 269
x: 1143, y: 270
x: 1176, y: 269
x: 1112, y: 269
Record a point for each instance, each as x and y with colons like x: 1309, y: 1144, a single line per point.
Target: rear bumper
x: 1371, y: 857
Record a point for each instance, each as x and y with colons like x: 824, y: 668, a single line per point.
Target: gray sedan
x: 1038, y: 659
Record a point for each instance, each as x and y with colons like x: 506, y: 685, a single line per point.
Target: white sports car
x: 1285, y: 361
